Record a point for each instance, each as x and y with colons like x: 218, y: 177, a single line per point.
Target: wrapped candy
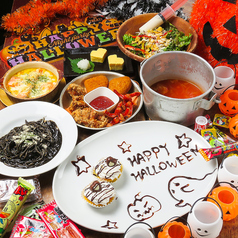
x: 57, y: 222
x: 8, y: 186
x: 29, y: 227
x: 14, y: 204
x: 210, y: 153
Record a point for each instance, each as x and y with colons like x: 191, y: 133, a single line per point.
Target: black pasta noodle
x: 30, y: 145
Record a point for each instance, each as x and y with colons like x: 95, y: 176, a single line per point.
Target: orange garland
x: 37, y: 13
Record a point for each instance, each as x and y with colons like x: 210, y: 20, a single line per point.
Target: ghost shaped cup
x: 205, y: 218
x: 139, y: 230
x: 225, y: 79
x: 228, y: 170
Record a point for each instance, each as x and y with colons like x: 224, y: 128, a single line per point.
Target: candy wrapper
x: 57, y: 222
x: 227, y: 139
x: 210, y: 153
x: 14, y: 204
x: 209, y: 121
x: 221, y: 120
x: 210, y: 135
x: 30, y: 228
x: 8, y: 186
x: 31, y: 210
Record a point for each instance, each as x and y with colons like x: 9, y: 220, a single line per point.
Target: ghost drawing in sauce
x: 183, y: 188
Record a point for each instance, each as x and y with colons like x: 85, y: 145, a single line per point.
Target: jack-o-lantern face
x: 16, y: 49
x: 108, y: 24
x: 216, y: 25
x: 229, y: 103
x: 227, y: 198
x: 143, y: 207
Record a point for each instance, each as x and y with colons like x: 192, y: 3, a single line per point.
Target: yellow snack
x: 14, y: 204
x: 121, y: 84
x: 115, y: 63
x: 95, y: 82
x: 98, y: 55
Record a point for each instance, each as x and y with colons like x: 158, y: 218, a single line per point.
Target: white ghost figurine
x: 205, y: 219
x: 228, y: 170
x: 225, y: 79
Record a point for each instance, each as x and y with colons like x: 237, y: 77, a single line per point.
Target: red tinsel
x: 216, y: 43
x: 36, y: 13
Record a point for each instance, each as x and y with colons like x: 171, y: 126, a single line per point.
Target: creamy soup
x: 31, y: 83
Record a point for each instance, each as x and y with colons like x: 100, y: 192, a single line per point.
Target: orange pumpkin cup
x: 175, y: 229
x: 233, y: 126
x: 228, y: 200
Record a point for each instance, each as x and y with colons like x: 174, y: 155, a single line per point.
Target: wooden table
x: 230, y: 229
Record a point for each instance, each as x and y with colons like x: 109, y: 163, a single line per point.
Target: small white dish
x: 101, y: 91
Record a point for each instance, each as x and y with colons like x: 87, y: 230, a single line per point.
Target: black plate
x: 84, y: 53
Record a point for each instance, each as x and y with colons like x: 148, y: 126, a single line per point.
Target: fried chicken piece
x: 76, y: 90
x: 90, y: 118
x: 77, y: 102
x: 81, y: 112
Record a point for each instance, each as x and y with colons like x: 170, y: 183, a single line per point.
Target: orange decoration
x: 229, y: 102
x: 216, y: 25
x: 233, y: 126
x: 39, y: 13
x: 174, y: 229
x: 227, y: 198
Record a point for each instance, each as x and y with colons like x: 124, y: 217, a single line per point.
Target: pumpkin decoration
x: 215, y: 24
x: 233, y: 126
x: 229, y: 102
x: 227, y: 198
x: 17, y: 48
x: 174, y: 229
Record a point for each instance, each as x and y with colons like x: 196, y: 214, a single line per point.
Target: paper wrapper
x: 57, y: 222
x: 29, y: 227
x: 14, y: 204
x: 211, y: 153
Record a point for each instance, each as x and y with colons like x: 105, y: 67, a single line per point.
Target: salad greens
x: 166, y: 38
x: 179, y: 42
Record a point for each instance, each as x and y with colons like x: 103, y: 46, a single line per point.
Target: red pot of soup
x: 177, y: 86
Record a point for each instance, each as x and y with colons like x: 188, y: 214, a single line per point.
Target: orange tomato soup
x: 177, y: 88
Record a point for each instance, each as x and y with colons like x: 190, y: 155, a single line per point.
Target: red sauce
x: 177, y: 88
x: 101, y: 103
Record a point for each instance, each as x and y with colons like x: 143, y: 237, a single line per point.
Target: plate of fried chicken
x: 72, y: 100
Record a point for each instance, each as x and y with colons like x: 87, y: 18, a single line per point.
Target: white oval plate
x: 65, y: 98
x: 164, y: 154
x: 15, y: 115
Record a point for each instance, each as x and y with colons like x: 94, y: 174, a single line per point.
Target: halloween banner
x: 51, y: 42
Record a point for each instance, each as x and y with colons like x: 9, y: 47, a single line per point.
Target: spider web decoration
x: 123, y: 10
